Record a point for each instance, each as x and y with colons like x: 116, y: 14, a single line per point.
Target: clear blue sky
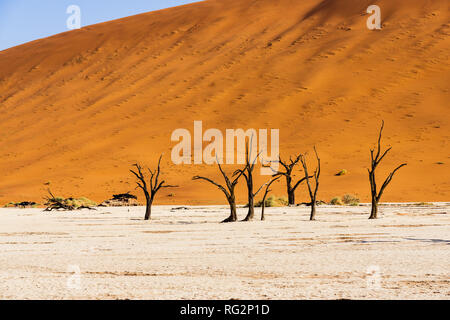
x: 26, y: 20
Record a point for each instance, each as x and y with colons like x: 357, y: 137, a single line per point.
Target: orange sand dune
x: 78, y: 108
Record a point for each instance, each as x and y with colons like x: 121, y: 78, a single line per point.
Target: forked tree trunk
x: 155, y: 186
x: 263, y: 205
x: 287, y: 173
x: 250, y: 162
x: 374, y: 194
x: 312, y: 191
x: 251, y: 209
x: 375, y: 161
x: 290, y: 191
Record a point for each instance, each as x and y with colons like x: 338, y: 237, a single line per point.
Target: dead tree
x: 57, y: 203
x: 124, y: 197
x: 153, y: 186
x: 228, y: 190
x: 376, y: 159
x: 266, y: 192
x: 316, y: 176
x: 64, y: 204
x: 247, y: 172
x: 290, y: 185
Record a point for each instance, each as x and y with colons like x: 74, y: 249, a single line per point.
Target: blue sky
x: 26, y: 20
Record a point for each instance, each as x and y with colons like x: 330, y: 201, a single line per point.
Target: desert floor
x: 184, y: 253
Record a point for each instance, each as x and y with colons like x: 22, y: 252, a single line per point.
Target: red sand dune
x: 78, y: 108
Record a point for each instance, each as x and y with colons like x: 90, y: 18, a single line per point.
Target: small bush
x: 120, y: 200
x: 341, y: 173
x: 81, y: 202
x: 350, y: 200
x: 124, y: 197
x: 274, y: 201
x: 346, y: 200
x: 337, y: 201
x: 424, y: 204
x: 22, y: 205
x: 59, y: 203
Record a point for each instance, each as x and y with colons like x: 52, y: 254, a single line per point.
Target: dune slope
x: 78, y: 108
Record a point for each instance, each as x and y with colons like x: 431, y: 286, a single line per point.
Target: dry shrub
x: 274, y: 201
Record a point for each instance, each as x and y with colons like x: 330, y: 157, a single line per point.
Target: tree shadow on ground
x: 430, y: 240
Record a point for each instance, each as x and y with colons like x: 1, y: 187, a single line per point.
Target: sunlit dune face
x: 78, y: 109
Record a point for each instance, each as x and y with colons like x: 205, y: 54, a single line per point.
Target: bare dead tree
x: 247, y: 172
x: 266, y: 192
x: 64, y: 204
x: 288, y: 174
x: 152, y: 187
x: 228, y: 190
x: 316, y: 176
x: 375, y: 161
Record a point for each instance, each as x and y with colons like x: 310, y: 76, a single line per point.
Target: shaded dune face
x: 78, y: 108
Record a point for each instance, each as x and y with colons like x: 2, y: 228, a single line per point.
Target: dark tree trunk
x: 313, y: 210
x: 287, y: 173
x: 290, y: 191
x: 148, y: 207
x: 263, y: 206
x: 374, y: 211
x: 376, y: 157
x: 148, y: 212
x: 233, y: 213
x: 316, y: 176
x: 291, y: 195
x: 251, y: 201
x: 228, y: 190
x: 248, y: 174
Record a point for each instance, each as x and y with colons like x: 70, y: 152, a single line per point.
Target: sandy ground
x: 79, y: 108
x: 185, y: 254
